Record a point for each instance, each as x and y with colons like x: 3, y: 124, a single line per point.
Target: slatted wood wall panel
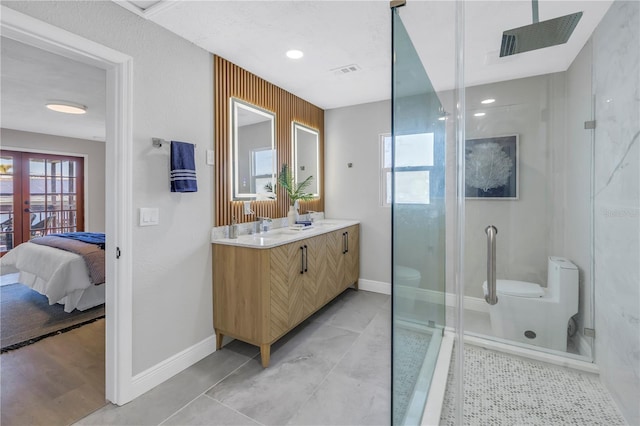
x: 232, y: 81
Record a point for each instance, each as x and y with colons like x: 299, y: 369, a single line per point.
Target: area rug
x: 26, y: 317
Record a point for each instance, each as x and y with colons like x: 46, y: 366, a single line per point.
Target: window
x: 414, y: 160
x: 40, y: 194
x: 262, y: 166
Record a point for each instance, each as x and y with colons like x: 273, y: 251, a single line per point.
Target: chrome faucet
x: 310, y: 215
x: 263, y: 224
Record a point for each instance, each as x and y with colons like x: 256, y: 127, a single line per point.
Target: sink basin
x: 260, y: 239
x: 327, y: 223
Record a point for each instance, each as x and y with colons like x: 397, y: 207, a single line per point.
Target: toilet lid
x: 519, y: 288
x: 405, y: 273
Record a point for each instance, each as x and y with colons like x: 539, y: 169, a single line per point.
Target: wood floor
x: 56, y: 381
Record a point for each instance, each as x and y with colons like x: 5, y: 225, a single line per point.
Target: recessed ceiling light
x: 67, y: 107
x: 488, y: 101
x: 480, y: 114
x: 295, y: 54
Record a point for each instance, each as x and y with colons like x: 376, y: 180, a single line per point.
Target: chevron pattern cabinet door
x: 287, y: 288
x: 316, y: 291
x: 352, y: 258
x: 335, y: 263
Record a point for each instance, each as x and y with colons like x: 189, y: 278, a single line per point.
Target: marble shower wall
x: 616, y: 85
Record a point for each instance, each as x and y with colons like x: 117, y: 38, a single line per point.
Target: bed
x: 61, y: 275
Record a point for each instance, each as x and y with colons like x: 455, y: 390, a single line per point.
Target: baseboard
x: 374, y: 286
x: 159, y: 373
x: 433, y: 296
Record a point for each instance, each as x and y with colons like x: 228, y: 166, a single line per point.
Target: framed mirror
x: 253, y: 154
x: 306, y: 156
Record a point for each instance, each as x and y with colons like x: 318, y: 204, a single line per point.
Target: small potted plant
x: 295, y: 191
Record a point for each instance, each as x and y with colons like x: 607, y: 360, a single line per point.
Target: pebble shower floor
x: 505, y: 390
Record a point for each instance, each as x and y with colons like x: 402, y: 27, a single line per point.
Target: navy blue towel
x: 183, y: 167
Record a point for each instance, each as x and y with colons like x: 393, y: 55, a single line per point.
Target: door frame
x: 118, y: 216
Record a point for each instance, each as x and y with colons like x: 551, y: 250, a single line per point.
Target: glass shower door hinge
x: 588, y: 125
x: 590, y: 332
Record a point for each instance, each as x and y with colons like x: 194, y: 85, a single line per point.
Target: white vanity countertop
x: 280, y: 236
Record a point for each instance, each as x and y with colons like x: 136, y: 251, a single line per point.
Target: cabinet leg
x: 219, y: 337
x: 265, y: 355
x: 355, y: 285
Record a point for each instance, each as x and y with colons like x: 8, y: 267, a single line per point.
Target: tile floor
x: 506, y: 390
x: 334, y: 369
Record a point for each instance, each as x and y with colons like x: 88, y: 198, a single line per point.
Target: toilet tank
x: 562, y: 279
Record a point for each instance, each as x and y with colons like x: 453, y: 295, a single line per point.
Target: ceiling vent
x: 346, y: 69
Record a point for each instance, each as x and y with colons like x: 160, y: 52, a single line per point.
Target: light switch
x: 210, y: 157
x: 149, y: 216
x: 247, y: 207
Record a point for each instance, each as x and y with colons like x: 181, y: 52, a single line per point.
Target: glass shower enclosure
x: 417, y: 177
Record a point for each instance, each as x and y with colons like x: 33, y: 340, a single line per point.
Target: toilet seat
x: 405, y: 273
x: 516, y: 288
x: 519, y: 288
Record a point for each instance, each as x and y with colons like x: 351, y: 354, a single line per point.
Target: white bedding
x: 60, y: 275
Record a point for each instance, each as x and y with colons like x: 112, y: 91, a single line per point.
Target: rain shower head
x: 539, y: 34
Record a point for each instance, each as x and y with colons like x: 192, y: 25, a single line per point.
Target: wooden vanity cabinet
x: 261, y: 294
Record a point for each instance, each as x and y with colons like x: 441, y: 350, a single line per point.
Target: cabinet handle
x: 343, y: 243
x: 347, y: 240
x: 302, y: 260
x: 306, y: 259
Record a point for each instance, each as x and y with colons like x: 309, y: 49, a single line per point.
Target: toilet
x: 405, y: 281
x: 529, y: 313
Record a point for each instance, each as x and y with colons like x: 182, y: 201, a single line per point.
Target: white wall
x: 172, y: 99
x: 352, y: 136
x: 93, y: 166
x: 534, y: 109
x: 616, y: 85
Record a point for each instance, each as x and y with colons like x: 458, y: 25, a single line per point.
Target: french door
x: 40, y: 194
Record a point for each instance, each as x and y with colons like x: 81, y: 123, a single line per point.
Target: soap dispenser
x: 233, y: 229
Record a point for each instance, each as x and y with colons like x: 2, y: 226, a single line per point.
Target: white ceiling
x: 31, y: 77
x: 256, y: 34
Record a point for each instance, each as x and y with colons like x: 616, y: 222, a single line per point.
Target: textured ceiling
x: 31, y: 77
x: 256, y: 34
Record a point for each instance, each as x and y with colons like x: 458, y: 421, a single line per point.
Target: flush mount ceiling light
x: 67, y: 107
x: 480, y: 114
x: 488, y: 101
x: 295, y: 54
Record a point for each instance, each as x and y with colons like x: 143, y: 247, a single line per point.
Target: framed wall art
x: 492, y: 168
